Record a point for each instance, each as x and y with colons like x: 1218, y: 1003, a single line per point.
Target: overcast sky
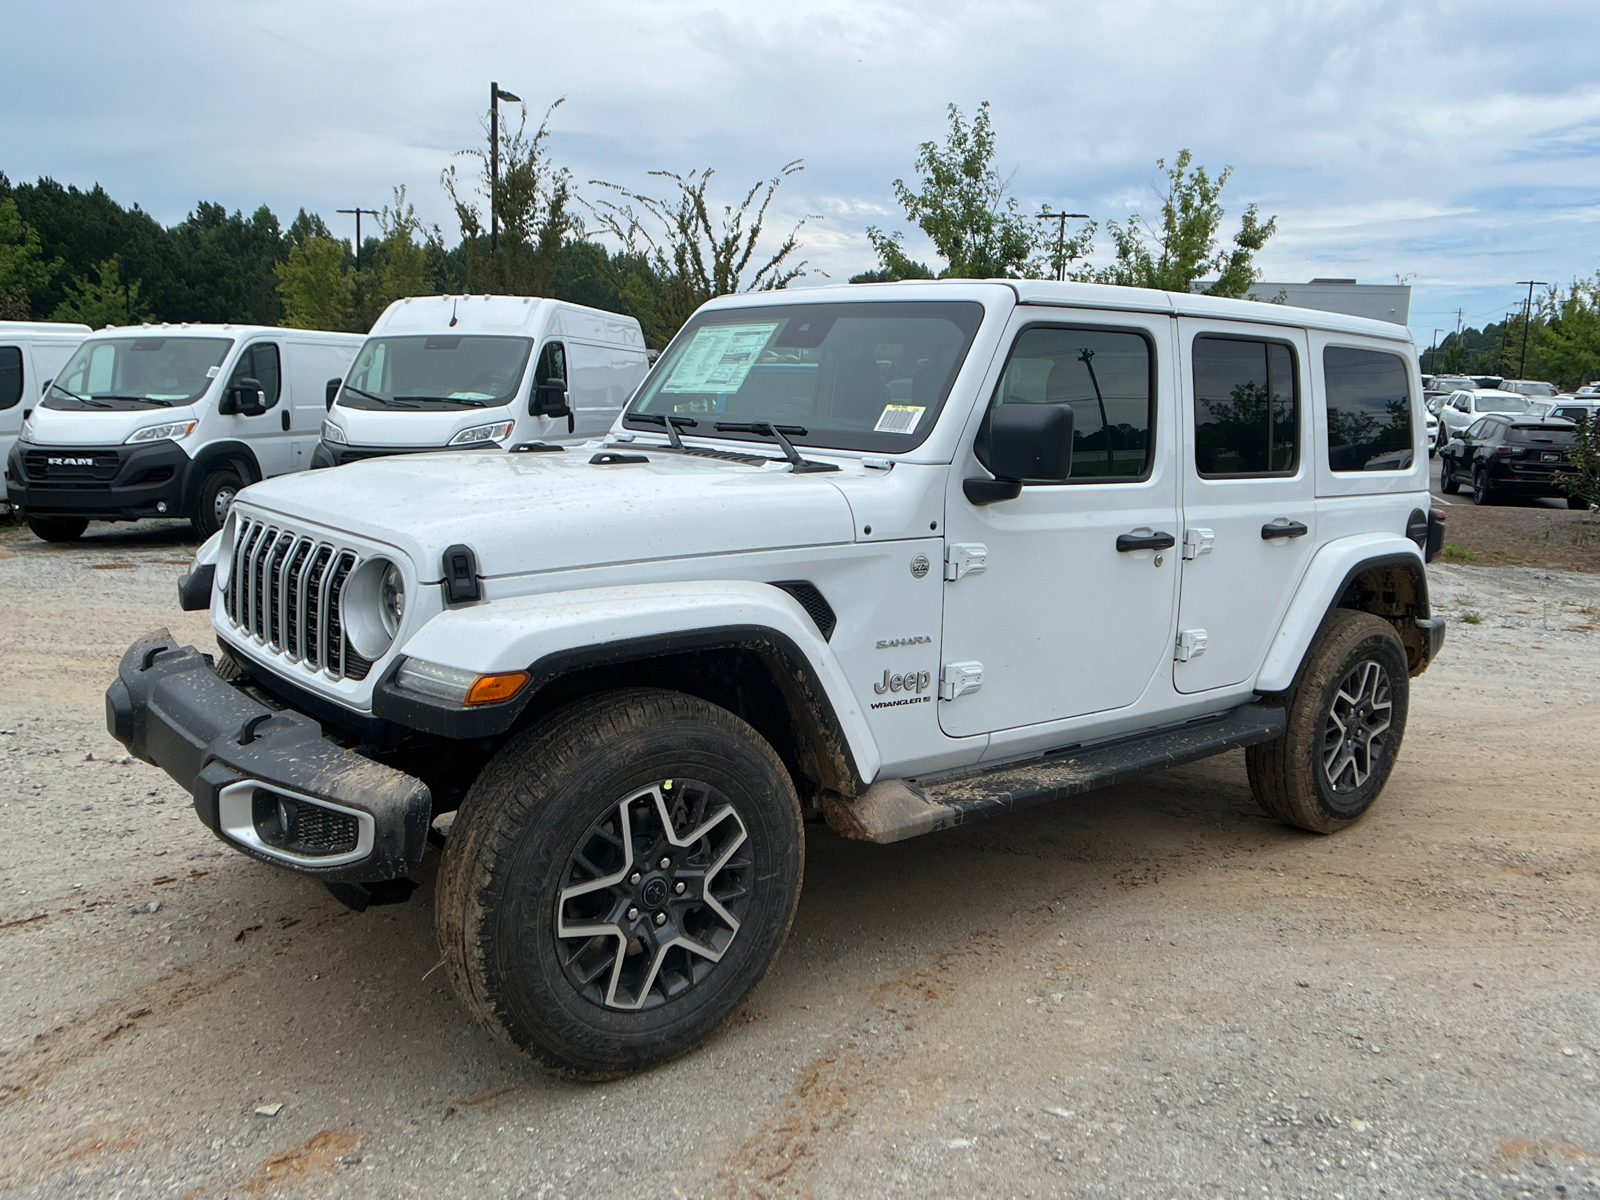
x: 1457, y: 145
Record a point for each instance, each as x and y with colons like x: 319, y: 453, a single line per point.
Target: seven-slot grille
x: 283, y: 590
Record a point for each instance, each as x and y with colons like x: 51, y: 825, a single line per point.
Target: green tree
x: 1184, y: 248
x: 224, y: 267
x: 316, y: 287
x: 1583, y: 481
x: 963, y: 207
x: 107, y: 301
x: 1564, y: 338
x: 24, y: 270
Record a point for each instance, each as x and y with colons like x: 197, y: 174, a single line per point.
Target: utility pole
x: 1061, y: 238
x: 495, y: 96
x: 371, y: 212
x: 1527, y: 319
x: 1433, y: 354
x: 1456, y: 357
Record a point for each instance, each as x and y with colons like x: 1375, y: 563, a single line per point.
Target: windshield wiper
x: 136, y: 399
x: 798, y: 465
x: 396, y: 402
x: 90, y: 400
x: 672, y: 422
x: 467, y: 400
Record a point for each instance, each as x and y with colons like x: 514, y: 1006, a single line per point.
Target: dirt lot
x: 1150, y: 992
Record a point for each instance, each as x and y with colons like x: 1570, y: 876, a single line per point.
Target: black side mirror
x: 246, y: 397
x: 549, y: 399
x: 1026, y: 441
x: 333, y: 391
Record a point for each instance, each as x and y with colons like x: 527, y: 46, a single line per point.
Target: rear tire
x: 1482, y: 490
x: 58, y: 529
x: 552, y: 890
x: 217, y: 492
x: 1346, y: 718
x: 1577, y: 502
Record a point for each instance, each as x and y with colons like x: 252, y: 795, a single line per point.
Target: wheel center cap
x: 655, y: 893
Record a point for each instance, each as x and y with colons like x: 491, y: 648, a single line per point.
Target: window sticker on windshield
x: 899, y: 418
x: 719, y: 358
x: 211, y: 372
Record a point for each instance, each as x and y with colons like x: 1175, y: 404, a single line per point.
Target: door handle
x: 1291, y: 529
x: 1145, y: 541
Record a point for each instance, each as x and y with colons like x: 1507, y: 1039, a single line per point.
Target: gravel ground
x: 1149, y: 992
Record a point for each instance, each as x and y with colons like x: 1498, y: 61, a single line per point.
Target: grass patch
x: 1472, y: 618
x: 1458, y: 553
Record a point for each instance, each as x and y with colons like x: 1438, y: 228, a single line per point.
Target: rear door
x: 13, y: 377
x: 1249, y: 495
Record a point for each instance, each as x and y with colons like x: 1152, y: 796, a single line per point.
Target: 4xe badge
x: 919, y: 566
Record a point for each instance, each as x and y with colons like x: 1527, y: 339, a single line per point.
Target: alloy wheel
x: 654, y: 895
x: 1354, y: 731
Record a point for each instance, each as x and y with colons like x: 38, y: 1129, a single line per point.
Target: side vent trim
x: 813, y: 601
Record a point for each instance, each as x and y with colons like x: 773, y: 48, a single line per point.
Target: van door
x: 552, y: 364
x: 267, y: 434
x: 12, y: 378
x: 1249, y: 495
x: 1052, y: 616
x: 602, y: 380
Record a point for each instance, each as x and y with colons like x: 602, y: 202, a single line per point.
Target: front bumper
x: 109, y: 483
x: 336, y: 454
x: 265, y: 780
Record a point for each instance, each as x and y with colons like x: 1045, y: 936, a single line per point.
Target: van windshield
x: 137, y: 372
x: 862, y: 375
x: 435, y: 373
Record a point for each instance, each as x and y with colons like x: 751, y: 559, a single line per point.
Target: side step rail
x: 895, y: 809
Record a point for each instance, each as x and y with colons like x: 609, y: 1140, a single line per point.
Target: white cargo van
x: 171, y: 421
x: 31, y: 352
x: 483, y: 372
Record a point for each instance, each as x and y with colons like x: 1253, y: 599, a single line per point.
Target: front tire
x: 217, y: 492
x: 58, y: 529
x: 619, y: 879
x: 1346, y: 717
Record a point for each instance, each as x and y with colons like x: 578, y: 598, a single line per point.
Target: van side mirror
x: 333, y: 391
x: 1026, y: 441
x: 549, y: 399
x: 245, y: 397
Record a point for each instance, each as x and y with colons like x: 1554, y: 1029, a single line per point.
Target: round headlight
x: 392, y: 599
x: 371, y: 605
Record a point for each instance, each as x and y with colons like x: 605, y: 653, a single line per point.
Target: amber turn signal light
x: 491, y: 689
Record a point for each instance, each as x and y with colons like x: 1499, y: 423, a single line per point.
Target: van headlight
x: 332, y: 433
x: 483, y: 435
x: 173, y: 430
x: 372, y: 605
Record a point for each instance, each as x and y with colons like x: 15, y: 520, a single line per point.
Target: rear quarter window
x: 1369, y: 410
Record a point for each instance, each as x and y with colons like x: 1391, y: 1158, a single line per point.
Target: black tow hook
x: 362, y: 896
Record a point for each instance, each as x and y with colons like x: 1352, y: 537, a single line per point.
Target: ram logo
x: 70, y: 462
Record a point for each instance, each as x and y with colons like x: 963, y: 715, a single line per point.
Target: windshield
x: 861, y: 375
x: 1505, y: 404
x: 436, y: 372
x: 137, y: 372
x: 1531, y: 388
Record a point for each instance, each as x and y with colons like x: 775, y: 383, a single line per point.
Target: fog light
x: 161, y: 506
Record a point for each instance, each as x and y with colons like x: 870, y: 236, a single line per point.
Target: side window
x: 1246, y: 407
x: 1369, y: 410
x: 10, y: 375
x: 260, y: 362
x: 552, y: 364
x: 1107, y: 377
x: 1477, y: 428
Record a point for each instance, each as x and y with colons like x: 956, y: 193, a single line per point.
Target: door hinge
x: 969, y: 559
x: 1197, y: 542
x: 1191, y: 644
x: 955, y: 678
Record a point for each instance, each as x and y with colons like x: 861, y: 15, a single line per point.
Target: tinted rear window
x: 1369, y: 410
x: 1540, y: 433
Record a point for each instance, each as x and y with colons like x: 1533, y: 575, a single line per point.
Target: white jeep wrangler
x: 891, y: 557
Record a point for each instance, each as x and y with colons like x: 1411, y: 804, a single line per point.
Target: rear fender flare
x: 1324, y: 585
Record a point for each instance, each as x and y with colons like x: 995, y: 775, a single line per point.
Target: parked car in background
x: 1506, y: 455
x: 1433, y: 427
x: 31, y: 352
x: 1588, y: 389
x: 1464, y: 407
x: 1573, y: 408
x: 172, y: 421
x: 482, y: 373
x: 1536, y: 388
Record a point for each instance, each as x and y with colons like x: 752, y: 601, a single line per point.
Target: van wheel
x: 1346, y: 717
x: 217, y: 492
x: 58, y: 529
x: 619, y: 879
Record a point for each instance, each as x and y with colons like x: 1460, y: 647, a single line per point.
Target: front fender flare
x: 554, y: 633
x: 1331, y: 571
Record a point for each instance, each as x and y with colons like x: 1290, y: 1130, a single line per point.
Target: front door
x: 267, y: 434
x: 1061, y: 619
x: 1249, y: 496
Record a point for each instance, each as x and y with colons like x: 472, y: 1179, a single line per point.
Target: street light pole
x: 371, y: 212
x: 495, y: 96
x: 1061, y: 238
x: 1527, y: 319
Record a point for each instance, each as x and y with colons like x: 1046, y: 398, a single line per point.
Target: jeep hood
x: 524, y: 513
